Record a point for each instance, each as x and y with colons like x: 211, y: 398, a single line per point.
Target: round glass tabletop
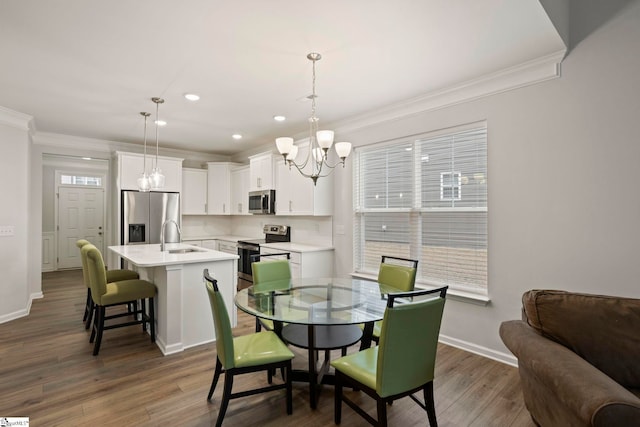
x: 315, y: 301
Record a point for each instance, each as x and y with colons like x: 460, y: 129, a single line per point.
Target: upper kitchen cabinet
x: 296, y: 194
x: 130, y: 167
x: 219, y: 188
x: 261, y: 172
x: 194, y: 191
x: 240, y: 190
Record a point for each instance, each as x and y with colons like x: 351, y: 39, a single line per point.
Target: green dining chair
x: 108, y: 294
x: 400, y: 275
x: 255, y: 352
x: 268, y: 271
x: 404, y: 361
x: 112, y: 276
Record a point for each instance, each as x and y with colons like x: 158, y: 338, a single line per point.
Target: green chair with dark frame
x: 400, y: 275
x: 112, y: 276
x: 403, y: 362
x: 260, y: 351
x: 107, y: 294
x: 268, y: 271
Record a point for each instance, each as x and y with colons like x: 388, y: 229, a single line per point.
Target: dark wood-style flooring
x: 47, y: 373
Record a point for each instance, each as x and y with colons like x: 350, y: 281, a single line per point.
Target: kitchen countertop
x: 296, y: 247
x: 151, y: 256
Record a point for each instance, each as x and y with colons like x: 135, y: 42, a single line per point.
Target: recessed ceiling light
x: 86, y: 158
x: 191, y: 96
x: 160, y: 122
x: 236, y: 136
x: 279, y: 118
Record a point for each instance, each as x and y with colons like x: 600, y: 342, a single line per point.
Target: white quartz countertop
x: 296, y: 247
x: 151, y: 256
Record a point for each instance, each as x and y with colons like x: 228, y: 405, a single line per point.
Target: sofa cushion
x: 603, y: 330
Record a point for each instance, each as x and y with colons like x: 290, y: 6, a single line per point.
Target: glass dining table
x: 317, y: 314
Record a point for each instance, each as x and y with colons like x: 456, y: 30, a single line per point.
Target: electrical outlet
x: 6, y: 230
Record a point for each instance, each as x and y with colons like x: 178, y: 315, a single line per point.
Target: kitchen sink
x: 183, y: 251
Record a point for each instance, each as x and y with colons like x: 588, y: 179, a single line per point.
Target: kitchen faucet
x: 162, y: 233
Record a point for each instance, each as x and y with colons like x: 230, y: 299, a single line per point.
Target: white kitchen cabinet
x: 130, y: 167
x: 316, y: 263
x: 219, y: 188
x: 240, y: 190
x: 194, y: 191
x: 296, y: 194
x: 192, y: 242
x: 261, y: 172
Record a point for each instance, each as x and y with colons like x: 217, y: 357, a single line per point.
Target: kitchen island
x: 183, y: 313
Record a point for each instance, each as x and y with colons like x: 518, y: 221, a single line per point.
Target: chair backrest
x: 96, y: 270
x: 409, y: 341
x: 85, y: 269
x: 221, y: 323
x: 267, y: 271
x: 399, y: 276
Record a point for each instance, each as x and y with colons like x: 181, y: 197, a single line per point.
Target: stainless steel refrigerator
x: 143, y: 215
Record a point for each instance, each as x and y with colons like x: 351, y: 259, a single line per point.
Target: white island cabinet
x: 183, y: 314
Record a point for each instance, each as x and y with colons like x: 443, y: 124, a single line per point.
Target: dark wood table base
x: 315, y: 338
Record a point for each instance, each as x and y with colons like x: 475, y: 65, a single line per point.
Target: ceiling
x: 87, y: 67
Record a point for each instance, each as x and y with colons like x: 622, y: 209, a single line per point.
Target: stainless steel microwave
x: 262, y: 202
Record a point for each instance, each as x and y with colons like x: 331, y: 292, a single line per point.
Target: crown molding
x: 15, y: 119
x: 108, y: 147
x: 526, y: 74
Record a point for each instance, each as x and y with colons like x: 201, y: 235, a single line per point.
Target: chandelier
x: 144, y: 183
x: 320, y: 141
x: 156, y: 177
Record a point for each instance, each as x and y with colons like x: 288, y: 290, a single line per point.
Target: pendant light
x: 144, y: 183
x: 157, y: 178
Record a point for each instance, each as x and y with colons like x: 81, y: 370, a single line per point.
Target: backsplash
x: 312, y: 230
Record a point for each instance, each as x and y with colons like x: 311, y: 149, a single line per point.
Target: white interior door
x: 80, y: 216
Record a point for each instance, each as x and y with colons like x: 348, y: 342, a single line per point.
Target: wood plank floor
x: 47, y: 373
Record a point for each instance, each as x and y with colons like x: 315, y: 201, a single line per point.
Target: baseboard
x: 21, y: 313
x: 498, y: 356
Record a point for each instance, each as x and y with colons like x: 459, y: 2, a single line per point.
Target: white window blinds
x: 425, y: 199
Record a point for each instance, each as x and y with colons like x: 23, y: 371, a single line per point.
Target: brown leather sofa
x: 578, y: 358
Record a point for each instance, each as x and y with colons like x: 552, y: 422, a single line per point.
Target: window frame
x: 364, y: 265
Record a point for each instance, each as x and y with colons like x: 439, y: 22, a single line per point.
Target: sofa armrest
x: 560, y: 387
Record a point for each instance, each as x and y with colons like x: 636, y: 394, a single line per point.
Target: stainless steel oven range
x: 246, y: 248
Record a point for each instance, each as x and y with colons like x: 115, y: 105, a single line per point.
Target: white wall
x: 563, y: 201
x: 15, y: 291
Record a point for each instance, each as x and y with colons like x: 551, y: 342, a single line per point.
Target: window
x: 425, y: 198
x: 93, y: 181
x: 450, y: 186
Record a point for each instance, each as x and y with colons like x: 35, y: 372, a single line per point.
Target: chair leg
x: 337, y: 411
x: 143, y: 313
x: 100, y: 313
x: 382, y: 412
x: 216, y: 375
x: 86, y: 306
x: 289, y: 389
x: 90, y: 314
x: 152, y: 320
x: 258, y: 325
x: 226, y: 396
x: 429, y: 403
